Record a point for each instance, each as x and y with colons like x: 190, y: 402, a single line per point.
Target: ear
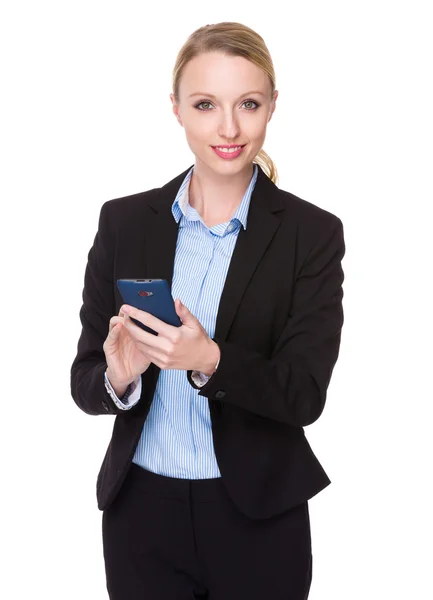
x: 175, y: 109
x: 273, y: 105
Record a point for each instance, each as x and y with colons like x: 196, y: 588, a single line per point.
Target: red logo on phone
x: 143, y: 293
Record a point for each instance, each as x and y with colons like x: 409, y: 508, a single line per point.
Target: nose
x: 229, y: 126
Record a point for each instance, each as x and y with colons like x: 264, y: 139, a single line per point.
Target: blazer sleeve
x: 291, y: 385
x: 88, y: 368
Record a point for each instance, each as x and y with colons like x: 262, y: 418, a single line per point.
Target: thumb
x: 182, y: 311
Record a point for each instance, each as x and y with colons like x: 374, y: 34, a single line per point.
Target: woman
x: 205, y: 484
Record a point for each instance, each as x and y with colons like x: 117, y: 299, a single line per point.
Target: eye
x: 244, y: 102
x: 202, y: 102
x: 252, y: 102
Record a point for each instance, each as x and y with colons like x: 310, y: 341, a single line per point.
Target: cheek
x: 199, y: 132
x: 258, y: 128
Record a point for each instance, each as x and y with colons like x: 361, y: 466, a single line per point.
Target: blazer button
x: 220, y: 394
x: 105, y: 406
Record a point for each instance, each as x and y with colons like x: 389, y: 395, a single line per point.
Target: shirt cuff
x: 130, y: 397
x: 200, y: 379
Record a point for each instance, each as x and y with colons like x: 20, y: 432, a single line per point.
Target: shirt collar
x: 181, y: 206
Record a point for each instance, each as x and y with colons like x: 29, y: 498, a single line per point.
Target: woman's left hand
x: 187, y: 347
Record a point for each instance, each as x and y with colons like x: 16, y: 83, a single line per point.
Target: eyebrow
x: 214, y: 97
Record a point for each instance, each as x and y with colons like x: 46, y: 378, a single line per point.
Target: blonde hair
x: 233, y: 39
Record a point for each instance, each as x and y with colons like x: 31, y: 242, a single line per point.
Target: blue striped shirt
x: 176, y: 440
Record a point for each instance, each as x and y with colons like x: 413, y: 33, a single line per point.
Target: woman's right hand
x: 124, y: 359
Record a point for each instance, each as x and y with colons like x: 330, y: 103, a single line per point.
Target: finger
x: 153, y: 355
x: 154, y: 348
x: 113, y: 334
x: 147, y: 351
x: 147, y: 319
x: 114, y: 321
x: 141, y: 336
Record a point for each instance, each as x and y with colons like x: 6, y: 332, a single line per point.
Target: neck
x: 216, y: 197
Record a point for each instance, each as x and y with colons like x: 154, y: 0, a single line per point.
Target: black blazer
x: 278, y: 327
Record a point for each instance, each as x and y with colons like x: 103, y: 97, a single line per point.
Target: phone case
x: 151, y: 295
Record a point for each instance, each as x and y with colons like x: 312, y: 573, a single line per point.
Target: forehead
x: 222, y: 75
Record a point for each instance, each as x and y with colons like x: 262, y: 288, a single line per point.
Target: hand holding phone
x: 124, y: 360
x: 193, y: 349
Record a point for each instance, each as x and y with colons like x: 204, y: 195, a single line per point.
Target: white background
x: 86, y: 117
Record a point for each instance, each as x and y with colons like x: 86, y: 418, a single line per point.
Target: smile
x: 228, y: 153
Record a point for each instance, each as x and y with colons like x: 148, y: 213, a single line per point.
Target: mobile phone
x: 151, y: 295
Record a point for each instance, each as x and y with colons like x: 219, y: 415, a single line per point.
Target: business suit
x: 278, y: 328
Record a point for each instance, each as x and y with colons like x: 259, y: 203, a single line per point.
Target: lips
x: 228, y: 155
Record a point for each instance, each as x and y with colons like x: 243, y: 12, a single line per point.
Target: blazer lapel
x: 262, y: 224
x: 251, y: 245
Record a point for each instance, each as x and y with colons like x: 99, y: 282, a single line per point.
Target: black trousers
x: 180, y: 539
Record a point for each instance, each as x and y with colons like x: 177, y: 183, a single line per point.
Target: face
x: 224, y: 100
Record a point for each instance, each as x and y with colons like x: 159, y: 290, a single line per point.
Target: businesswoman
x: 205, y: 484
